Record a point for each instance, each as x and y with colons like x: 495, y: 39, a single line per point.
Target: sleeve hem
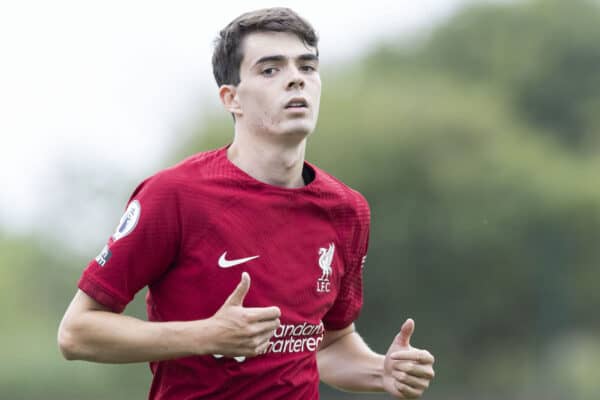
x: 101, y: 294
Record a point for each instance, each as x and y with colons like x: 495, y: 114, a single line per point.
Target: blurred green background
x: 477, y: 145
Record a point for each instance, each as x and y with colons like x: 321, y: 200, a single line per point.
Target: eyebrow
x: 280, y: 58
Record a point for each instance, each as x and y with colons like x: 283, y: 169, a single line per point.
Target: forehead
x: 260, y: 44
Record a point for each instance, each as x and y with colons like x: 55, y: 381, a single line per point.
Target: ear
x: 229, y: 98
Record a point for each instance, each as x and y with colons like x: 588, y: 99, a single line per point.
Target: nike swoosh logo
x: 224, y: 263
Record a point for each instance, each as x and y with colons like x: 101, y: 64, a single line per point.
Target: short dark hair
x: 228, y: 53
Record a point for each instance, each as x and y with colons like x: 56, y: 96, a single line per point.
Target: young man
x: 252, y: 256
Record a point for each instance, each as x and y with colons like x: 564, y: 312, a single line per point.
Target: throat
x: 273, y: 166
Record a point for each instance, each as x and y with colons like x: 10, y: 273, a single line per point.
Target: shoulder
x: 174, y: 179
x: 347, y: 198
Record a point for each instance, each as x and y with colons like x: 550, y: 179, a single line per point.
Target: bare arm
x: 89, y: 331
x: 346, y: 362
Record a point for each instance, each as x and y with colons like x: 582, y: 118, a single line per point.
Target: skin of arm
x: 89, y: 331
x: 347, y: 363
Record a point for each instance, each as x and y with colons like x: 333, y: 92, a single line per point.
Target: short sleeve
x: 144, y: 245
x: 349, y: 300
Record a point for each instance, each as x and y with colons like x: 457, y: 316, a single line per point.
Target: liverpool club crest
x: 325, y: 259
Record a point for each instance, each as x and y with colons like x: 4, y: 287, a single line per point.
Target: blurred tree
x: 38, y: 278
x: 543, y: 54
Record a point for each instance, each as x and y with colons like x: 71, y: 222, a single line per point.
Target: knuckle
x: 428, y: 356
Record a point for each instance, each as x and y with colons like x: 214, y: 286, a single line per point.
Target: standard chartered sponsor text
x: 296, y: 338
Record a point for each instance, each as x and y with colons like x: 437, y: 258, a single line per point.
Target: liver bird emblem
x: 325, y: 259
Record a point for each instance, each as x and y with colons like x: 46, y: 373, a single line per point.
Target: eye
x: 308, y: 68
x: 269, y: 71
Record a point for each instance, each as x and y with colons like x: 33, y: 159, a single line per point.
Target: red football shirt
x: 188, y: 234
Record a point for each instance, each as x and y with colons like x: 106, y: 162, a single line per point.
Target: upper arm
x: 83, y: 302
x: 68, y: 329
x: 80, y: 304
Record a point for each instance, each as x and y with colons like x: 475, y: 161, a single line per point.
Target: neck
x: 274, y: 163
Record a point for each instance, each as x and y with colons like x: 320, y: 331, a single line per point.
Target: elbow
x: 67, y: 342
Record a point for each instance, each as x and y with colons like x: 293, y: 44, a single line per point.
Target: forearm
x: 103, y: 336
x: 349, y: 364
x: 89, y: 331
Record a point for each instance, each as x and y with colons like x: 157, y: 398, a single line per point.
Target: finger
x: 412, y: 381
x: 263, y: 348
x: 258, y: 344
x: 264, y: 327
x: 236, y: 297
x: 417, y: 370
x: 406, y: 331
x: 256, y: 314
x: 407, y: 391
x: 420, y: 356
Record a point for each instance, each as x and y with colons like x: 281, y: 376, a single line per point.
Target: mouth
x: 297, y: 103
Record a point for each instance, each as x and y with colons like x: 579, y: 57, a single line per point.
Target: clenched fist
x: 239, y: 331
x: 407, y: 370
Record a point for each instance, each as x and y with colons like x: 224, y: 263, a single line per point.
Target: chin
x: 303, y: 128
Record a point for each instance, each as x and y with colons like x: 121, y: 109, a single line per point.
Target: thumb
x: 403, y: 338
x: 236, y: 298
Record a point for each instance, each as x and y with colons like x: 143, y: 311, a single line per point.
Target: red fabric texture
x: 194, y: 212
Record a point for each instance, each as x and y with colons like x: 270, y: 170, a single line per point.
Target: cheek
x: 258, y: 107
x: 257, y: 102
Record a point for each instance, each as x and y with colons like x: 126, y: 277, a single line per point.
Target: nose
x: 296, y: 80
